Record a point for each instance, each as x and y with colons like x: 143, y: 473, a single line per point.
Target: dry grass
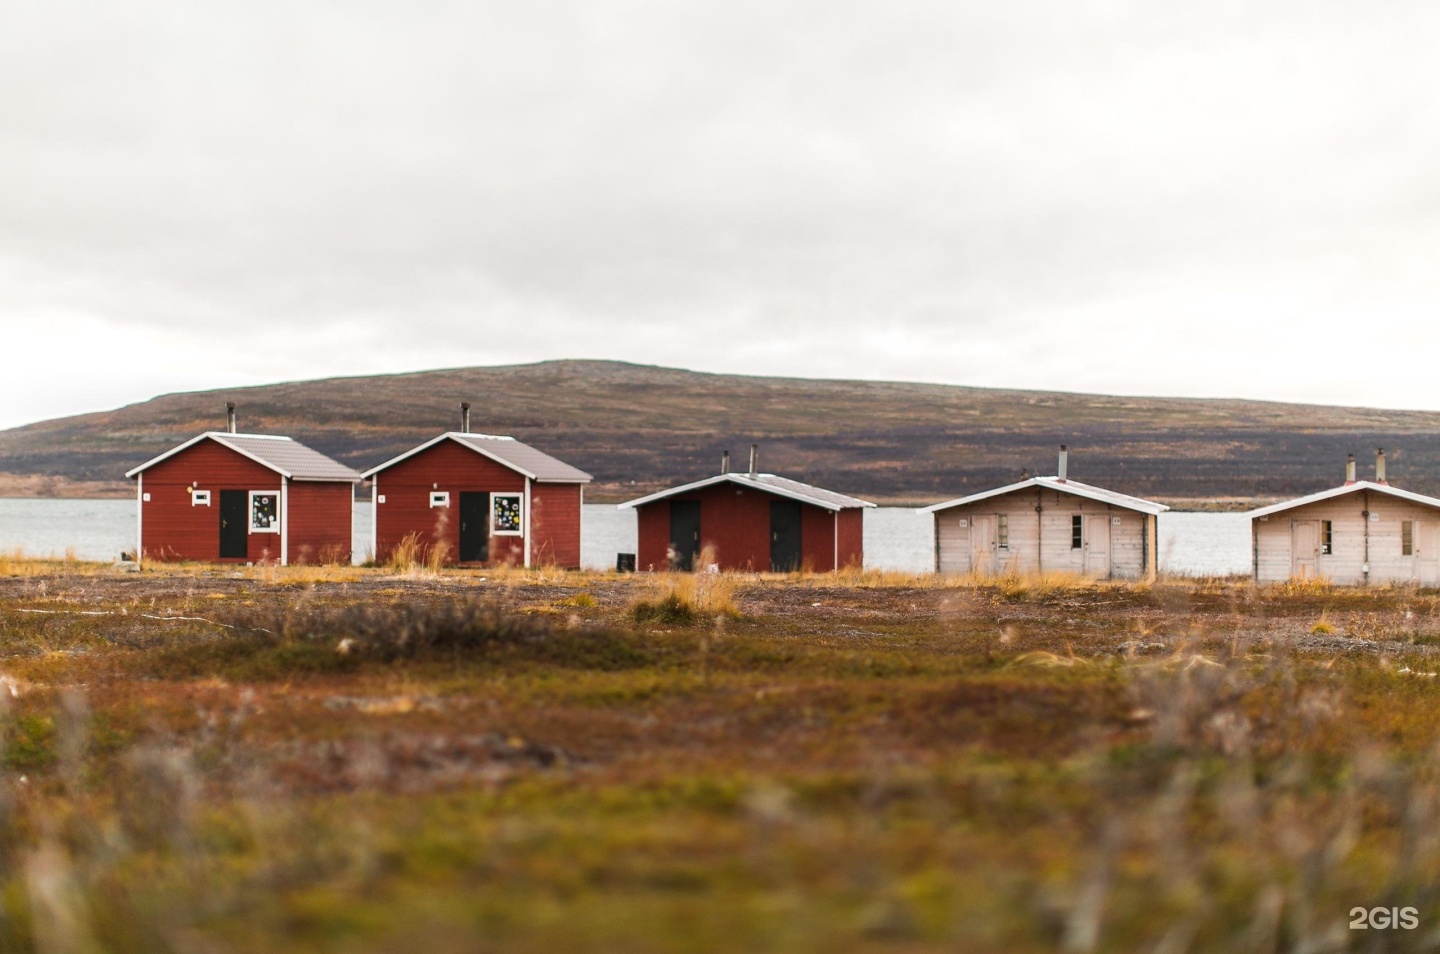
x: 223, y: 762
x: 407, y: 558
x: 684, y: 598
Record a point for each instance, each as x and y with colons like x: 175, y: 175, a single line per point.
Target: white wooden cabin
x: 1045, y: 525
x: 1363, y: 531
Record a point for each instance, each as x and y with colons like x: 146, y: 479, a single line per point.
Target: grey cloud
x: 595, y: 175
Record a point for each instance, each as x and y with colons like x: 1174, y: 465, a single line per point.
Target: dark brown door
x: 474, y: 527
x: 234, y: 524
x: 684, y: 533
x: 784, y: 535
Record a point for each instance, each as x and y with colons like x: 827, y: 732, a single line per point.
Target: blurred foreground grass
x: 198, y: 760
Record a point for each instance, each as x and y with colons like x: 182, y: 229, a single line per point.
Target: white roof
x: 506, y: 451
x: 288, y: 458
x: 780, y: 486
x: 1341, y: 491
x: 1115, y: 498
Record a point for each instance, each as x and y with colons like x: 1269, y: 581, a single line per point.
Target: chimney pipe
x: 754, y: 460
x: 1349, y: 468
x: 725, y: 463
x: 230, y: 416
x: 1380, y: 465
x: 1064, y: 463
x: 464, y: 417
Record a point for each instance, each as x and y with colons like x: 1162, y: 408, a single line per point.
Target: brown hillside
x: 637, y: 428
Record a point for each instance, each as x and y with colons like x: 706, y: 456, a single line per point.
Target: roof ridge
x: 262, y: 437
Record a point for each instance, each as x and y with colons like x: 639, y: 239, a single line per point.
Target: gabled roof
x: 1341, y: 491
x: 506, y: 451
x: 1075, y: 487
x: 780, y: 486
x: 286, y: 457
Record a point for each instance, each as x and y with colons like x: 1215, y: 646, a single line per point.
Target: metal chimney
x: 1379, y: 465
x: 754, y: 460
x: 1349, y: 468
x: 230, y: 416
x: 464, y: 417
x: 1064, y: 463
x: 725, y: 463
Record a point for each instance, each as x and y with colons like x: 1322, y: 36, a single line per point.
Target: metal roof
x: 780, y: 486
x: 506, y: 451
x: 1113, y: 497
x: 1341, y: 491
x: 285, y: 456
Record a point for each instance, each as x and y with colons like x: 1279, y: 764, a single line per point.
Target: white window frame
x: 439, y: 498
x: 519, y: 498
x: 250, y: 515
x: 199, y: 498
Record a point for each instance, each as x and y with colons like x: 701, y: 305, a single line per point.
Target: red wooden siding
x: 555, y: 525
x: 735, y: 521
x: 852, y: 538
x: 653, y: 525
x: 447, y: 466
x: 321, y: 514
x: 172, y: 529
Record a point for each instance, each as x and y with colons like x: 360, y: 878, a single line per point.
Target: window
x: 1327, y: 537
x: 1077, y: 532
x: 1407, y: 537
x: 1002, y: 531
x: 505, y: 510
x: 439, y: 498
x: 199, y: 498
x: 264, y: 512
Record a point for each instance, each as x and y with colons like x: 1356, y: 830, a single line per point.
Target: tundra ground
x: 324, y: 760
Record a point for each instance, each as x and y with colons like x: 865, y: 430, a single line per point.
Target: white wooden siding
x: 1344, y: 564
x: 1028, y: 529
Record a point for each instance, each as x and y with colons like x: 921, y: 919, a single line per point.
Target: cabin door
x: 983, y: 554
x: 784, y: 536
x: 1304, y: 549
x: 234, y: 524
x: 474, y: 527
x: 1427, y: 555
x: 684, y: 533
x: 1097, y: 544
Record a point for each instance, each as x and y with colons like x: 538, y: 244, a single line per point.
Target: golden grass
x: 685, y: 597
x: 405, y: 559
x: 16, y: 562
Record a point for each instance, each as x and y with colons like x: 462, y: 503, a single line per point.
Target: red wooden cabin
x: 487, y: 500
x: 244, y: 498
x: 752, y: 522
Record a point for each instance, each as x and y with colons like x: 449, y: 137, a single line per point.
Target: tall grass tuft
x: 405, y: 558
x: 683, y: 598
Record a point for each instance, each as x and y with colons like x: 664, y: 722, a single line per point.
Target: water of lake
x: 896, y: 538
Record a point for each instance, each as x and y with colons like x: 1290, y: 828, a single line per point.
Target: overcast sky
x: 1220, y: 198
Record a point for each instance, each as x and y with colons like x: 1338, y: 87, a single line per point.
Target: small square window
x: 199, y: 498
x: 379, y: 498
x: 439, y: 498
x: 1077, y: 532
x: 506, y: 514
x: 264, y: 512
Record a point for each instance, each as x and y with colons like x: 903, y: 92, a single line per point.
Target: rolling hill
x: 638, y: 428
